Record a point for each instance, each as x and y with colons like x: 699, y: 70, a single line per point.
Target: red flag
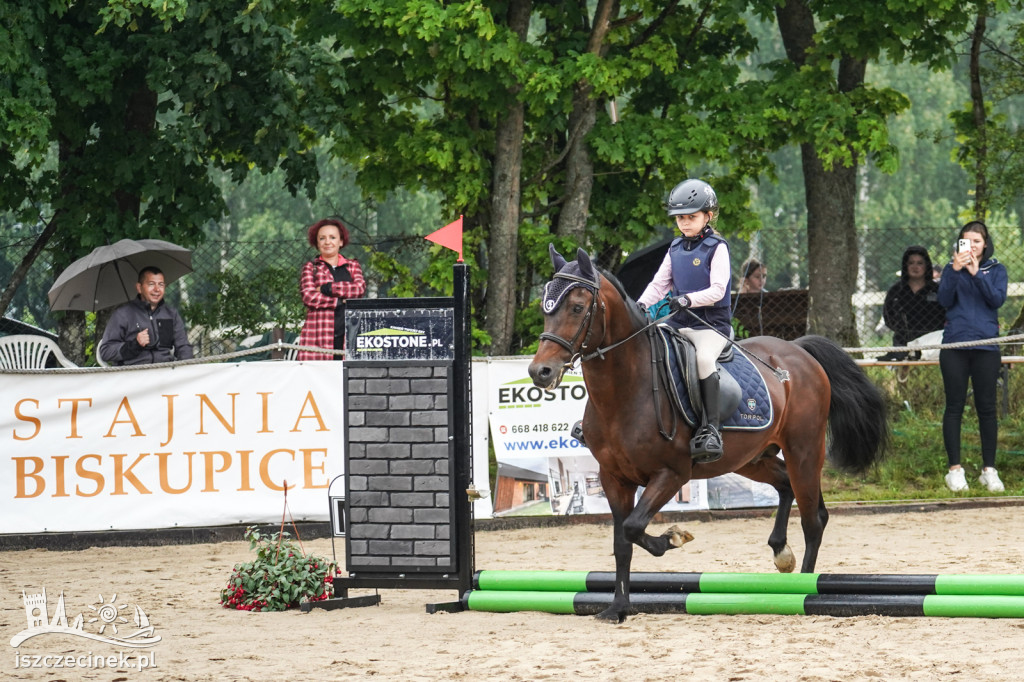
x: 449, y: 236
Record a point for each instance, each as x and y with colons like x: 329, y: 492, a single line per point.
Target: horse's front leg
x: 659, y: 490
x: 620, y: 499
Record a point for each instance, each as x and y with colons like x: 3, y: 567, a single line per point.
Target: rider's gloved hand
x: 679, y: 303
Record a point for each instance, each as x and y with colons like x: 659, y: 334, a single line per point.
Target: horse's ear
x: 586, y: 267
x: 556, y: 258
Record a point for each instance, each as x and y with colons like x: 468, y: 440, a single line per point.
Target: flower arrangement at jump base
x: 280, y: 577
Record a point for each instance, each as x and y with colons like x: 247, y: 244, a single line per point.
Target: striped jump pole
x: 824, y: 594
x: 754, y: 583
x: 701, y: 603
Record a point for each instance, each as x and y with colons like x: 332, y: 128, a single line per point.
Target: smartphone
x: 963, y: 245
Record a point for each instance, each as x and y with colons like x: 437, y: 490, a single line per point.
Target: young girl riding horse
x: 698, y: 273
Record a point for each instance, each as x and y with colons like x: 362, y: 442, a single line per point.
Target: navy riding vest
x: 691, y: 271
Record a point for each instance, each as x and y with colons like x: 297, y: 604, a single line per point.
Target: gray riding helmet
x: 690, y: 196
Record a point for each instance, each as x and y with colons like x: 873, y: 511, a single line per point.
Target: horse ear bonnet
x: 578, y: 273
x: 556, y: 258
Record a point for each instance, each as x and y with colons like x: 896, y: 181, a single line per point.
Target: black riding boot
x: 706, y: 445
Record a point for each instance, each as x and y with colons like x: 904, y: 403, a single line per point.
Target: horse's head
x: 571, y: 301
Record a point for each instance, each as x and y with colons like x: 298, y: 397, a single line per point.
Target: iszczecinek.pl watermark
x: 122, y: 660
x: 108, y: 622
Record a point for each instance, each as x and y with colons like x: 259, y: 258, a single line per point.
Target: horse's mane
x: 636, y: 314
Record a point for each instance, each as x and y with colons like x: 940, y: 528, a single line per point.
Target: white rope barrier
x: 997, y: 341
x: 223, y: 357
x: 282, y: 346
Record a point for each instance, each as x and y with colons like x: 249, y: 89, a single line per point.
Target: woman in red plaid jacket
x: 326, y: 282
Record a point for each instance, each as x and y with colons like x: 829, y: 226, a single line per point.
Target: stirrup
x: 706, y: 445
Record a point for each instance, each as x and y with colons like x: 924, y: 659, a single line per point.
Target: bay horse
x: 825, y: 405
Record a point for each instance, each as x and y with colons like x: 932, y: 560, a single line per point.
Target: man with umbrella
x: 145, y: 330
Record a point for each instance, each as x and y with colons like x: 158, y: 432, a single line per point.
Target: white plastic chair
x: 27, y: 351
x: 99, y: 359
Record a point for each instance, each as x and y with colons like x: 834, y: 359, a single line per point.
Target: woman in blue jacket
x: 972, y: 288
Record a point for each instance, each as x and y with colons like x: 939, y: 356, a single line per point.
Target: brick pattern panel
x: 398, y: 456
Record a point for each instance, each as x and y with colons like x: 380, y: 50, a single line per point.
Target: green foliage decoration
x: 282, y: 575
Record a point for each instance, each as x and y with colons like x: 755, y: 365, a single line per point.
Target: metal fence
x: 239, y: 291
x: 783, y: 311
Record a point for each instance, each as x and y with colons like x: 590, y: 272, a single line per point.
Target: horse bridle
x: 588, y: 321
x: 586, y: 324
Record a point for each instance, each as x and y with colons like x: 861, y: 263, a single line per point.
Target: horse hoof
x: 677, y: 537
x: 785, y: 561
x: 611, y: 615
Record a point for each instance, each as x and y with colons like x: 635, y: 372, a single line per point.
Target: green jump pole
x: 840, y: 605
x: 749, y: 583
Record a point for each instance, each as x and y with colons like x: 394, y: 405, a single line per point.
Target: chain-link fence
x: 236, y: 295
x: 240, y: 291
x: 781, y: 309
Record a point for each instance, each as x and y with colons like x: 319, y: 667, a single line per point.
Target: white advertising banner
x: 542, y: 469
x: 184, y: 446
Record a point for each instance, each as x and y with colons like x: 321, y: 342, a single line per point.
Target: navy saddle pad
x: 755, y: 406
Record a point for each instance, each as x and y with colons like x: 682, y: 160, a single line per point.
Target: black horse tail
x: 858, y: 427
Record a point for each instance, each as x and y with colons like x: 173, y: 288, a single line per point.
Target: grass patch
x: 916, y: 461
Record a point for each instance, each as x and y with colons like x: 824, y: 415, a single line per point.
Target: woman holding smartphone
x: 972, y: 288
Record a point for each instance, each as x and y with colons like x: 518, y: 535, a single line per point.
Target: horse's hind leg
x: 806, y: 483
x: 814, y: 529
x: 784, y: 558
x: 772, y: 470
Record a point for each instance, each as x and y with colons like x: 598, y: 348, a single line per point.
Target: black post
x: 462, y: 432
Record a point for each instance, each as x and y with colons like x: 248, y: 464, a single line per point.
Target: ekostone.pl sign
x: 400, y: 334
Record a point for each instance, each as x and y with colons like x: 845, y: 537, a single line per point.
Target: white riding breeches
x: 709, y: 344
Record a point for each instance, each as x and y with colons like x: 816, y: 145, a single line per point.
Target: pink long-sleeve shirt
x: 721, y: 277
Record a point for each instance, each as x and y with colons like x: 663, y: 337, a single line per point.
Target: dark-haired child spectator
x: 753, y: 275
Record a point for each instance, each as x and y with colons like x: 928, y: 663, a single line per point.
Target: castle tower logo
x: 109, y: 622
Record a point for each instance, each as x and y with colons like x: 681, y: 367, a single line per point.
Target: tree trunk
x: 981, y: 196
x: 139, y: 123
x: 71, y: 335
x: 831, y: 247
x: 830, y: 194
x: 503, y: 238
x: 579, y: 169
